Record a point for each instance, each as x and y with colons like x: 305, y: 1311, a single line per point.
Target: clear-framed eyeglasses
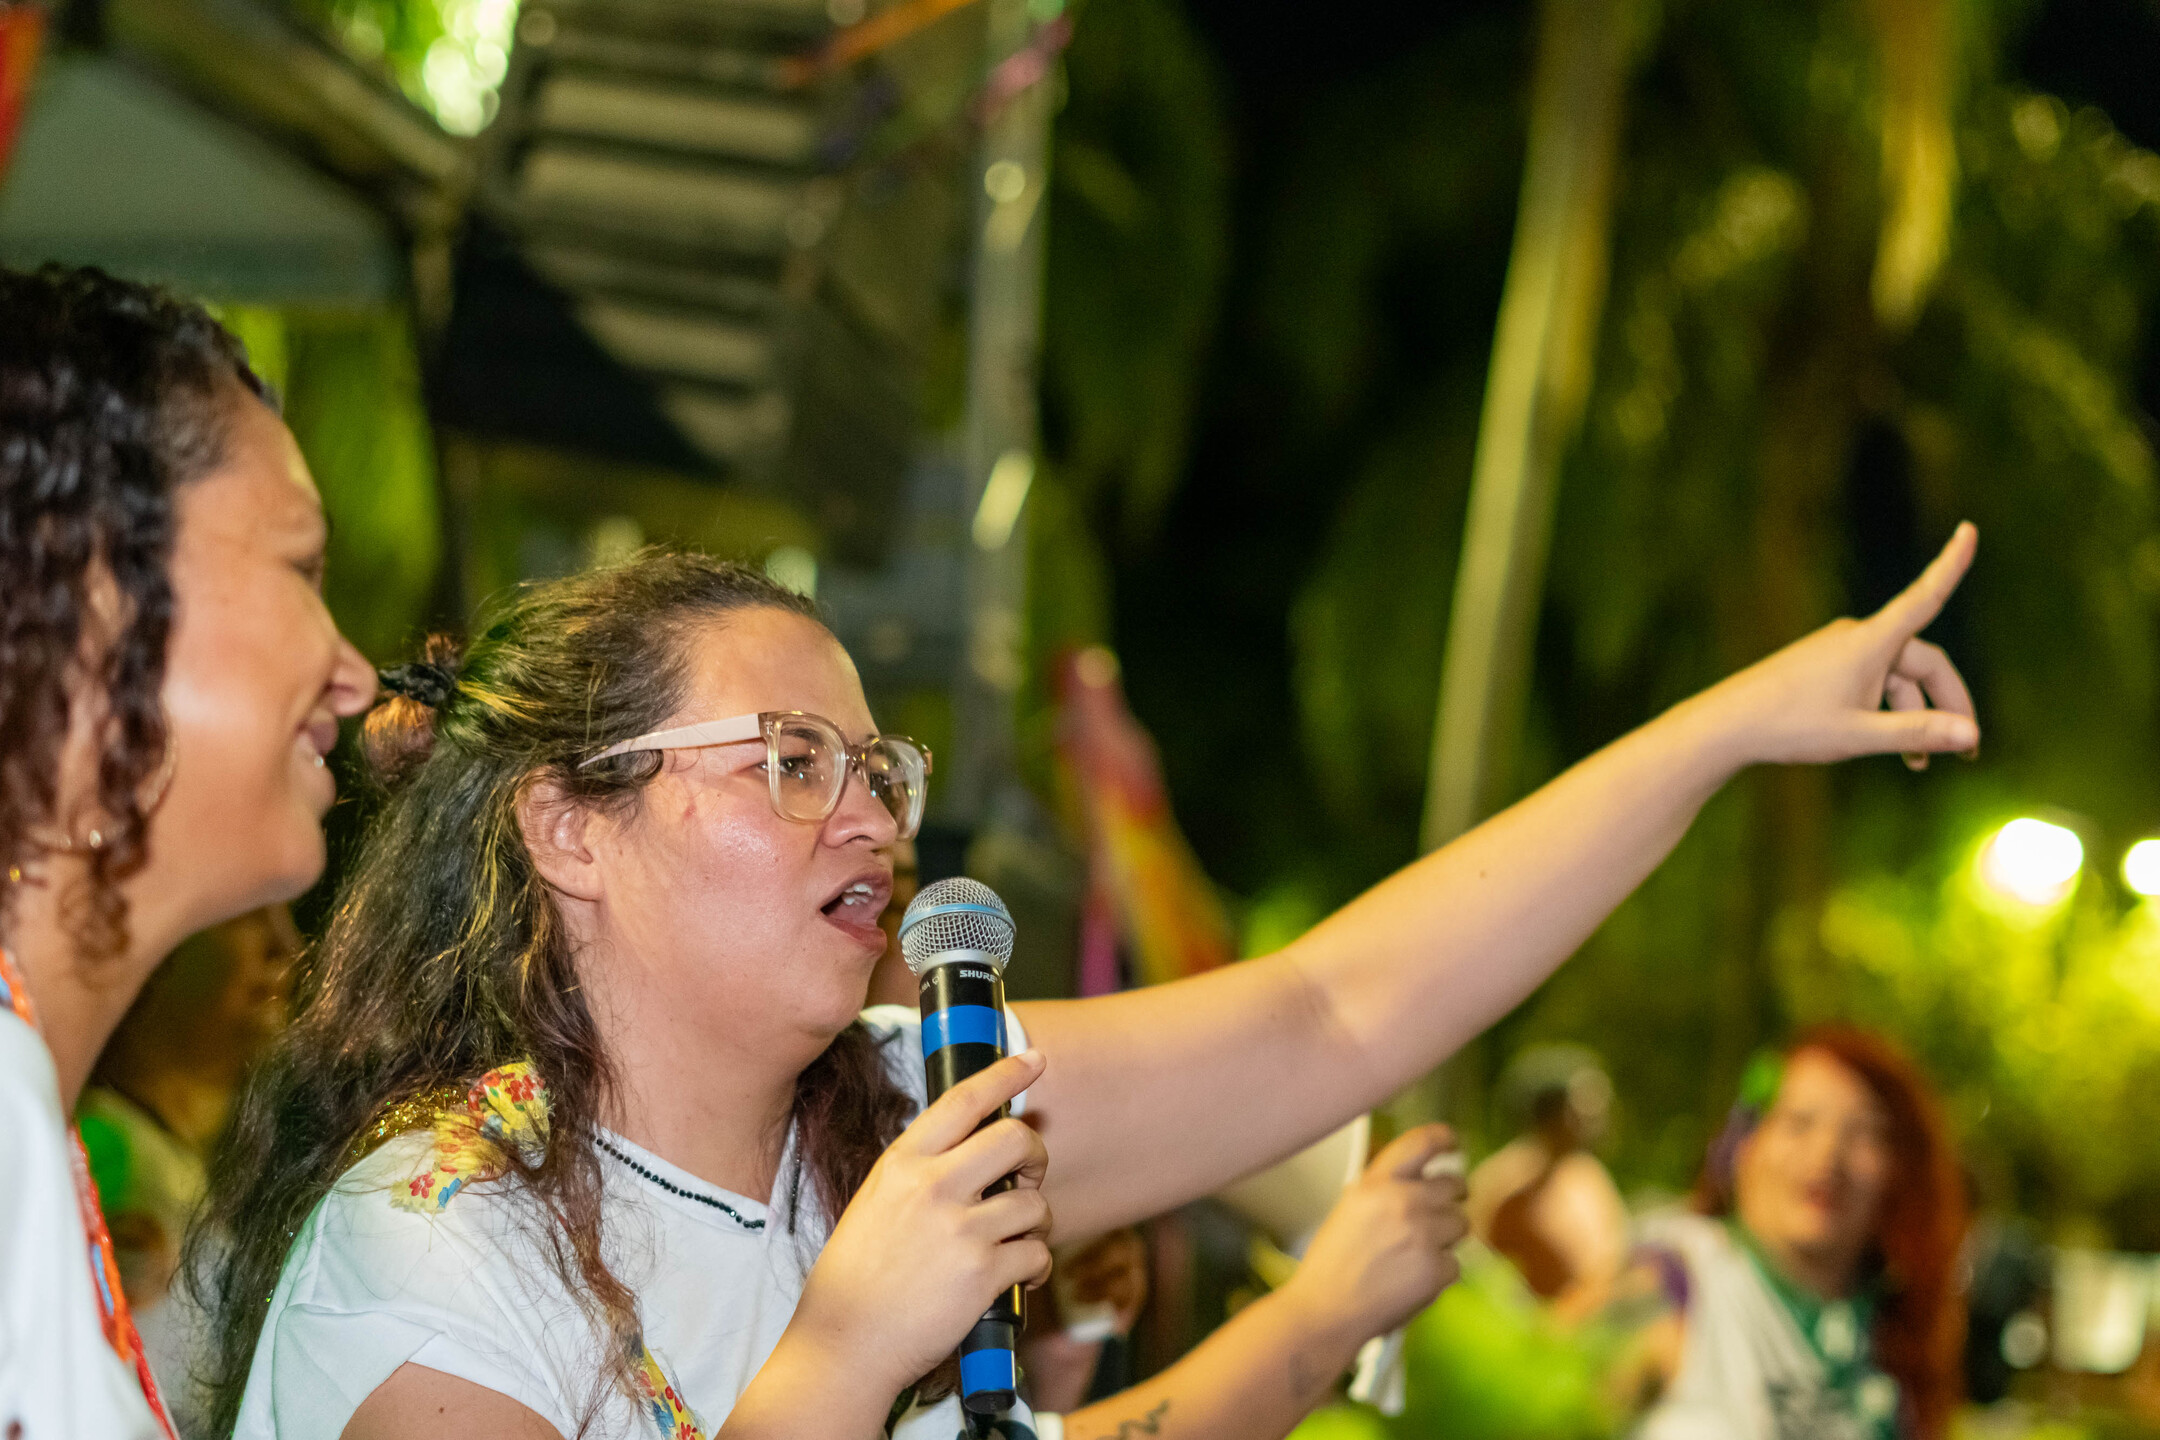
x: 807, y: 761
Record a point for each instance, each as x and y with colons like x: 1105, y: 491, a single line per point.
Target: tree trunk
x: 1539, y: 378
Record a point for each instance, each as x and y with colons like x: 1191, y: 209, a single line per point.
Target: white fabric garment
x: 1746, y: 1371
x: 59, y: 1379
x: 472, y: 1291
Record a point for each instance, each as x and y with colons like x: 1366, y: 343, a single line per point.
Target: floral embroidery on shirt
x: 662, y: 1401
x: 505, y: 1107
x: 508, y: 1107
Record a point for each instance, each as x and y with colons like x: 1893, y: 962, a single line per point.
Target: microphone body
x: 956, y: 937
x: 963, y: 1014
x: 963, y: 1010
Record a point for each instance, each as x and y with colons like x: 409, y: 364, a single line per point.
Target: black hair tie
x: 431, y: 685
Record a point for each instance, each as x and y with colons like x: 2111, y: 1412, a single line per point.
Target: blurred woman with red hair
x: 1813, y: 1280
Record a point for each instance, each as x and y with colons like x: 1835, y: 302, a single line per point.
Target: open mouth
x: 861, y: 902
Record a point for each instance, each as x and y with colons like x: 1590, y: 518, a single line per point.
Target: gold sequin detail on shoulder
x: 417, y: 1112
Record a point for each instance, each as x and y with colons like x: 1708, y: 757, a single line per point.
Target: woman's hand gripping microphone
x: 921, y: 1250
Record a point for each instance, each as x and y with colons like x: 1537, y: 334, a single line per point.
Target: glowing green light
x: 2141, y: 868
x: 2033, y: 861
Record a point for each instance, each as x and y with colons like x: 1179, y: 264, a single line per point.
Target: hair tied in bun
x: 431, y: 685
x: 399, y: 735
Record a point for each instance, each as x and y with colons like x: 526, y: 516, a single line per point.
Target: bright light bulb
x: 2141, y: 868
x: 2033, y: 861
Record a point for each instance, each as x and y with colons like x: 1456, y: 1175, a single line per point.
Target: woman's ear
x: 554, y: 826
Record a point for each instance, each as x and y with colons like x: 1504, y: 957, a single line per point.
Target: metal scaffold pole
x: 1004, y: 339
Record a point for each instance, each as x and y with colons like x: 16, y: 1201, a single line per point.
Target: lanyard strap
x: 119, y: 1325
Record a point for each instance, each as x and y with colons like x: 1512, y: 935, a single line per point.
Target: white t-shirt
x: 1746, y: 1371
x: 471, y: 1290
x: 59, y: 1379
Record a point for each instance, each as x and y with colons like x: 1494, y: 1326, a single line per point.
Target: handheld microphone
x: 956, y: 937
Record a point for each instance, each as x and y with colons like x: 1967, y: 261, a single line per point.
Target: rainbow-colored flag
x: 1144, y: 882
x: 22, y: 28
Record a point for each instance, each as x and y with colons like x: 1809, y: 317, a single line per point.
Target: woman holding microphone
x: 577, y: 1131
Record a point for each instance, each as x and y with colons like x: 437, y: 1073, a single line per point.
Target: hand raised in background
x: 1386, y: 1249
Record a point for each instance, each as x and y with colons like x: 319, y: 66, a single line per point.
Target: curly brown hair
x: 112, y: 396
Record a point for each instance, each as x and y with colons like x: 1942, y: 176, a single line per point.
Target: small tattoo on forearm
x: 1148, y: 1424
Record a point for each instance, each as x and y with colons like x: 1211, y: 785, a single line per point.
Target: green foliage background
x: 349, y: 381
x: 1261, y: 379
x: 1760, y: 453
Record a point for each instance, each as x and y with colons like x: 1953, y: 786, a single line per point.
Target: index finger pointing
x: 1920, y: 602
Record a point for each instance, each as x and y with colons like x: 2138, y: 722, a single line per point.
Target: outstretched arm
x: 1164, y: 1094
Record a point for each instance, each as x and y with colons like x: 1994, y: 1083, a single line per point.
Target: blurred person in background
x: 164, y: 1087
x: 159, y: 1098
x: 170, y: 685
x: 1810, y: 1291
x: 1543, y: 1200
x: 1077, y: 1328
x: 1379, y: 1257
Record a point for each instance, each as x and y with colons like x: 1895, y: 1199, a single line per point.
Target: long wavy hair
x: 1920, y: 1324
x: 113, y: 395
x: 445, y: 958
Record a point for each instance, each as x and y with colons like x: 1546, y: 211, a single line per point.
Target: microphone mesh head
x: 955, y: 914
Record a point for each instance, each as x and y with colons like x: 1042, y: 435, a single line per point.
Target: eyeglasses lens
x: 808, y: 770
x: 809, y: 773
x: 895, y: 771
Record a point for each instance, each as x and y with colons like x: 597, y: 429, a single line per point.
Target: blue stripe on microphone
x: 962, y: 1025
x: 982, y: 1370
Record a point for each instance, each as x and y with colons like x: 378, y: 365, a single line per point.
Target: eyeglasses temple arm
x: 730, y: 731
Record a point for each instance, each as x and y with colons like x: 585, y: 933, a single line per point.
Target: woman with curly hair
x: 580, y: 1129
x: 170, y: 683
